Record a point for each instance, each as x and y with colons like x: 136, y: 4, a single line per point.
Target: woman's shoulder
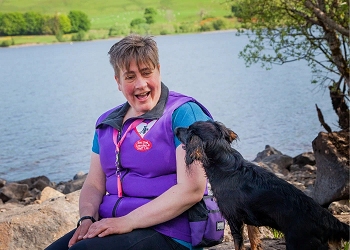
x: 107, y: 113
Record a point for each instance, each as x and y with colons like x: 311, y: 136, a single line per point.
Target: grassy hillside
x: 104, y: 14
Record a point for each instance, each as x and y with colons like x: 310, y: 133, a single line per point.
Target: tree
x: 149, y: 15
x: 79, y: 21
x: 282, y: 31
x: 12, y: 24
x: 64, y: 23
x: 34, y: 23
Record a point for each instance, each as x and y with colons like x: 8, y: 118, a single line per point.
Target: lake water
x: 51, y: 96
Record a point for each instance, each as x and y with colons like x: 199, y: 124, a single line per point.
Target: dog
x: 249, y: 194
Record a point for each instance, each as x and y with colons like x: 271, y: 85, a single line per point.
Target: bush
x: 5, y: 43
x: 141, y: 29
x: 80, y: 36
x: 137, y: 21
x: 207, y: 27
x: 186, y: 28
x: 91, y: 37
x: 79, y: 21
x: 119, y: 30
x: 220, y: 24
x: 59, y: 36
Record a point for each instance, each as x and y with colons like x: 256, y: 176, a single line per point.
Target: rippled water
x: 51, y: 96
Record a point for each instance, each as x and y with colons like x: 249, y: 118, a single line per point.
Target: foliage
x: 137, y: 21
x: 12, y: 24
x: 220, y: 24
x: 276, y: 234
x: 142, y: 29
x: 149, y: 15
x: 48, y: 25
x: 80, y: 36
x: 119, y: 30
x: 282, y: 31
x: 34, y: 23
x: 208, y: 26
x: 64, y: 23
x: 79, y: 21
x: 59, y: 36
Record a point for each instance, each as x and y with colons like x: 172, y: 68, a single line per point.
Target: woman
x: 138, y: 189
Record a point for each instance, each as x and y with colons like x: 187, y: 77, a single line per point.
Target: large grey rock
x: 278, y: 163
x: 332, y: 175
x: 266, y: 152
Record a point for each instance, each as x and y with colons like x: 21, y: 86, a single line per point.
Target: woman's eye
x: 146, y: 73
x: 129, y: 77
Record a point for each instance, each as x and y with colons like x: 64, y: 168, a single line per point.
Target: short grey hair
x: 142, y: 49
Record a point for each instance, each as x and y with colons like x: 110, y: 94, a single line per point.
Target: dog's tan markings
x: 197, y: 154
x: 233, y: 136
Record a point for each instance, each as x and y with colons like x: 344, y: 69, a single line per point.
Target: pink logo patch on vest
x: 142, y: 145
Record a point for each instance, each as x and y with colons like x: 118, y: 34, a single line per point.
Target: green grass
x: 104, y: 14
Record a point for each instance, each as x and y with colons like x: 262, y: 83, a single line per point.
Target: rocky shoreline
x: 35, y: 211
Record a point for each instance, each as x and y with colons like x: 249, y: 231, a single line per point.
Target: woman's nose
x: 140, y: 83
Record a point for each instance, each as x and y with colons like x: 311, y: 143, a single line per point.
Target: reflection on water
x: 51, y: 96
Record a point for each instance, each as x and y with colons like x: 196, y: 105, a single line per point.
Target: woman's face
x: 141, y: 88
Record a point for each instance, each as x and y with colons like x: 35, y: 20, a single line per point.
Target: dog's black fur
x: 247, y: 193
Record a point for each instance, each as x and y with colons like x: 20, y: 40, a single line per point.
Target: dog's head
x: 201, y: 137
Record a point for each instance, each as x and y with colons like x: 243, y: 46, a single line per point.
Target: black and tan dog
x: 247, y: 193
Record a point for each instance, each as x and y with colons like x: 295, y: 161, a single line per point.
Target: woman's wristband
x: 84, y: 218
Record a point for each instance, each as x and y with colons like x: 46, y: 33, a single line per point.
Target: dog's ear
x: 195, y: 150
x: 228, y: 134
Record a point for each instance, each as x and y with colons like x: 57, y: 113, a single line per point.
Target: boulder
x: 2, y: 182
x: 39, y: 182
x: 49, y: 193
x: 73, y: 185
x: 80, y: 175
x: 278, y: 162
x: 14, y: 191
x: 37, y: 226
x: 332, y: 160
x: 267, y: 152
x: 303, y: 159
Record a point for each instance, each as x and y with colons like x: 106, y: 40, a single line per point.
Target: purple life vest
x: 145, y: 174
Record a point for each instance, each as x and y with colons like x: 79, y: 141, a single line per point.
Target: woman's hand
x: 108, y: 226
x: 90, y: 198
x: 80, y: 232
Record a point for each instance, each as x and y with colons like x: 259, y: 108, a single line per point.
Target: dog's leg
x: 236, y: 231
x: 254, y: 237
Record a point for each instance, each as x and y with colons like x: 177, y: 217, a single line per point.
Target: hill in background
x: 104, y: 14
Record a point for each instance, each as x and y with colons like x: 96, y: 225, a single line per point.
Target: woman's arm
x: 91, y: 196
x: 188, y: 191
